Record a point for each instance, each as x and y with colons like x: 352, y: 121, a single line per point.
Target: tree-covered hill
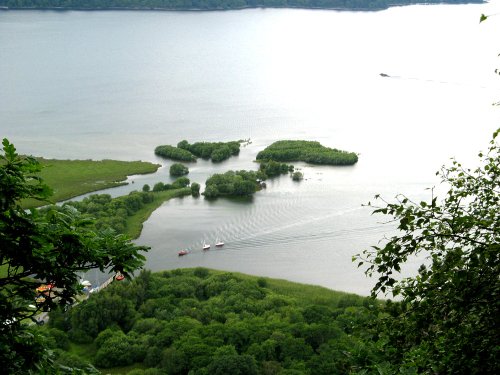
x: 199, y: 321
x: 218, y: 4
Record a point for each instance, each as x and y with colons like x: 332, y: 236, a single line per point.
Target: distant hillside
x: 216, y: 4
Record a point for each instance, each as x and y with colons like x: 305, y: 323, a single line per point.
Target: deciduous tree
x: 50, y: 247
x: 448, y: 319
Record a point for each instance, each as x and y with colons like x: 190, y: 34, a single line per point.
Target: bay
x: 115, y: 84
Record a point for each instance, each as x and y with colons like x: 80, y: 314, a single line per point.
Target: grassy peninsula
x: 211, y: 322
x: 126, y: 214
x: 70, y: 178
x: 307, y: 151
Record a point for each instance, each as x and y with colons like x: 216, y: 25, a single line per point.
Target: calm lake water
x: 108, y: 84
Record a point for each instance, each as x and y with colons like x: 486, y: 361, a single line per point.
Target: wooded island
x: 308, y: 151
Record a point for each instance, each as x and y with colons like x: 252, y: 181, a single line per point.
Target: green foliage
x: 60, y: 338
x: 233, y: 364
x: 126, y: 214
x: 115, y: 350
x: 180, y: 183
x: 217, y: 151
x: 73, y: 364
x: 231, y: 183
x: 272, y: 168
x: 178, y: 169
x: 146, y: 188
x: 51, y: 247
x: 308, y: 151
x: 195, y: 189
x: 174, y: 153
x: 297, y: 176
x: 447, y: 321
x: 159, y: 186
x: 208, y: 322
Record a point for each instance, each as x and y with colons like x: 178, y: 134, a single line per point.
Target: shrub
x: 159, y: 186
x: 297, y: 176
x: 178, y: 169
x: 195, y: 189
x: 181, y: 182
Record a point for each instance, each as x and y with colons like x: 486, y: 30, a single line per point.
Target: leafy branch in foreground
x: 448, y: 320
x: 49, y: 247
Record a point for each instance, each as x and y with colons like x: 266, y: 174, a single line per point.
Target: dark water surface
x: 116, y: 84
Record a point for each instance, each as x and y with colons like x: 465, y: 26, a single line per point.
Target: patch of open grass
x: 304, y: 293
x: 70, y: 178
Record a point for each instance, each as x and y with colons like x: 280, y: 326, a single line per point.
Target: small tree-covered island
x: 271, y: 159
x: 217, y: 4
x: 215, y: 151
x: 307, y: 151
x: 243, y: 183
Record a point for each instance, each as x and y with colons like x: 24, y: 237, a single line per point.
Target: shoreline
x: 341, y: 9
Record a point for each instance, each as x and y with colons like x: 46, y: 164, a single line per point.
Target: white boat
x: 219, y: 243
x: 206, y: 246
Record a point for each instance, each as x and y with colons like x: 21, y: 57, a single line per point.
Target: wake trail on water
x: 281, y: 227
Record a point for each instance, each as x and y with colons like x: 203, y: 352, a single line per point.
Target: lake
x: 115, y: 84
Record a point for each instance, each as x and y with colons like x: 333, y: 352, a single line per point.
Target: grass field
x: 70, y: 178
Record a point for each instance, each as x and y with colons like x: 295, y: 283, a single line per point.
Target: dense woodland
x: 218, y: 4
x: 207, y: 322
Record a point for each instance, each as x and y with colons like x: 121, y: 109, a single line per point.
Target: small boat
x: 119, y: 277
x: 384, y: 75
x: 182, y: 252
x: 219, y: 244
x: 206, y: 246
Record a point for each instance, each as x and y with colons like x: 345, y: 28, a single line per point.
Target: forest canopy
x: 211, y: 322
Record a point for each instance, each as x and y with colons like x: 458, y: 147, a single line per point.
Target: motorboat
x: 183, y: 252
x: 219, y: 244
x: 206, y: 246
